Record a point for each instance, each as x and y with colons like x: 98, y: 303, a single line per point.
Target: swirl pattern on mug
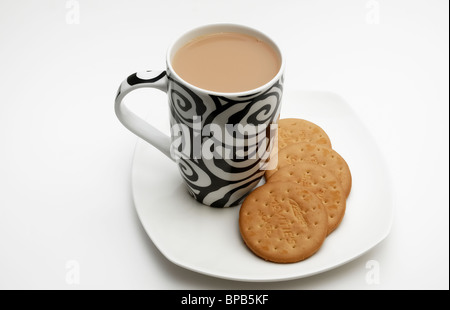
x: 235, y: 140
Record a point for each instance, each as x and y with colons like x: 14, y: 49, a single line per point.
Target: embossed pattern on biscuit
x: 322, y: 183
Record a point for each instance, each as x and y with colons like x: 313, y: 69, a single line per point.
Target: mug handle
x: 138, y: 126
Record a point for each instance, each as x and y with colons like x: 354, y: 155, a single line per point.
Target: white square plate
x: 207, y: 240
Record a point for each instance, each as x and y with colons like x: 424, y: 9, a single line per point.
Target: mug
x: 221, y: 142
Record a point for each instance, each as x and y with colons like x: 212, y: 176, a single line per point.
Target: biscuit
x: 316, y: 154
x: 295, y: 130
x: 283, y: 222
x: 322, y: 183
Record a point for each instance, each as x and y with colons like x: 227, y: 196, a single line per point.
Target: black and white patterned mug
x: 220, y: 141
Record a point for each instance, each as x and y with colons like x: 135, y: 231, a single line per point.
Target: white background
x: 65, y: 159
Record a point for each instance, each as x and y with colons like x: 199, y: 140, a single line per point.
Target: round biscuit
x: 283, y: 222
